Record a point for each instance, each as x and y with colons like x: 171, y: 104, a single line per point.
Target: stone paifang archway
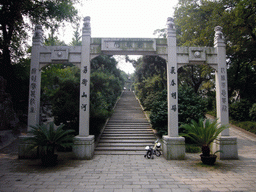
x: 173, y: 145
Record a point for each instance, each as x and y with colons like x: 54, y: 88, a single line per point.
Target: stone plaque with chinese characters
x: 128, y: 44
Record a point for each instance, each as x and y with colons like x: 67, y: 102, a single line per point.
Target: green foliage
x: 106, y: 85
x: 48, y: 138
x: 252, y: 112
x: 196, y: 76
x: 16, y: 19
x: 203, y: 132
x: 191, y: 105
x: 55, y: 74
x: 191, y: 148
x: 159, y: 113
x: 195, y: 21
x: 65, y: 103
x: 20, y: 95
x: 246, y: 125
x: 239, y: 110
x: 150, y: 77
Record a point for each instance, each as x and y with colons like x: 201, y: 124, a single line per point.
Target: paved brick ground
x: 131, y: 173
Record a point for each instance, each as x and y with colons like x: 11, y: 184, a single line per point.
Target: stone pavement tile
x: 162, y: 190
x: 56, y: 186
x: 142, y: 190
x: 124, y: 190
x: 180, y: 190
x: 104, y: 190
x: 113, y: 186
x: 44, y: 190
x: 132, y: 186
x: 82, y: 190
x: 63, y: 190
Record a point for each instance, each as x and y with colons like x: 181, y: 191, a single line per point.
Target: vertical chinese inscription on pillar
x: 172, y: 84
x: 84, y: 94
x: 223, y: 85
x: 32, y: 100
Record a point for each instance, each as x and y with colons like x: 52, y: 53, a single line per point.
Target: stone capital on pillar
x: 38, y: 36
x: 87, y: 26
x: 219, y: 40
x: 171, y: 31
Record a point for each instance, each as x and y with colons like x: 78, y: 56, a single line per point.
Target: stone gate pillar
x: 225, y: 143
x: 84, y: 143
x: 173, y: 145
x: 34, y: 91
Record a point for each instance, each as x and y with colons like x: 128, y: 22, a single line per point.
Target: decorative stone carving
x: 60, y: 54
x: 218, y: 32
x: 170, y: 23
x: 87, y: 24
x: 38, y: 34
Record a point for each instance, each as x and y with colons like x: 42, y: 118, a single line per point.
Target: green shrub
x: 246, y: 125
x: 239, y: 110
x: 191, y: 105
x: 159, y: 117
x: 252, y: 112
x: 191, y: 148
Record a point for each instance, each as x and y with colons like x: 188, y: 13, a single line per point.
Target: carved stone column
x: 34, y: 91
x: 84, y: 143
x: 173, y: 145
x: 225, y: 143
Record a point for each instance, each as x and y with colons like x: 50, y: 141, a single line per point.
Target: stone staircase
x: 127, y: 131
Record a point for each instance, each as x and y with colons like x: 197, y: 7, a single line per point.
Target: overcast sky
x: 124, y: 18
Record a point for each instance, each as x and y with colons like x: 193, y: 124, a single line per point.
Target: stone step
x: 127, y: 141
x: 124, y: 144
x: 126, y: 134
x: 120, y: 148
x: 149, y: 137
x: 128, y: 131
x: 120, y: 152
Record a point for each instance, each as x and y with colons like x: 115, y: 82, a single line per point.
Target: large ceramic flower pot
x: 208, y: 160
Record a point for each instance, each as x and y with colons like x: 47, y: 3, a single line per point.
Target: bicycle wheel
x: 158, y: 153
x: 149, y: 154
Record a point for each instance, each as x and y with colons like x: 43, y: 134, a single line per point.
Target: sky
x: 124, y: 18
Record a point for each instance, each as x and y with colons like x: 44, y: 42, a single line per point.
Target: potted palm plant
x: 46, y: 139
x: 204, y: 133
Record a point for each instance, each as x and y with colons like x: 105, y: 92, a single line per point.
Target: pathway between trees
x: 127, y: 131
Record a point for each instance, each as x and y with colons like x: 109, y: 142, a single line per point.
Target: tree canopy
x: 195, y: 21
x: 17, y: 18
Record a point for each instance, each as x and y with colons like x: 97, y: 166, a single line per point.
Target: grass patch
x: 246, y: 125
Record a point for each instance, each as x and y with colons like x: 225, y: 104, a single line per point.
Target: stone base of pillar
x: 228, y: 147
x: 24, y: 148
x: 174, y: 148
x: 84, y: 147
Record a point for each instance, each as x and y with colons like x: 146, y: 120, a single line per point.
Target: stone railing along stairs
x: 127, y: 131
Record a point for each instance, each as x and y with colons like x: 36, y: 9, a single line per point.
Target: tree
x: 76, y: 39
x: 150, y: 77
x: 16, y: 18
x: 195, y: 76
x: 195, y: 21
